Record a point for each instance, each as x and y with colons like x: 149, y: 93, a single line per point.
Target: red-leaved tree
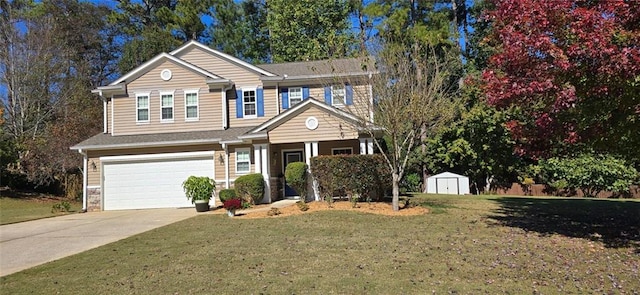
x: 570, y: 71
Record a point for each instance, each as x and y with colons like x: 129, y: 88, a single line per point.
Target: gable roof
x: 447, y: 175
x: 140, y: 70
x: 222, y: 55
x: 297, y: 109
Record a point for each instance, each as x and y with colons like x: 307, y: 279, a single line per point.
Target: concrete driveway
x: 27, y: 244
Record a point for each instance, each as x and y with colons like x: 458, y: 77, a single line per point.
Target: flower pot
x: 202, y: 205
x: 231, y: 212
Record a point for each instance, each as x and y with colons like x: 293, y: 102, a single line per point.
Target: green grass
x: 14, y: 210
x: 476, y: 245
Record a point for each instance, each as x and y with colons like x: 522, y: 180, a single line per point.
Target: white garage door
x: 155, y: 183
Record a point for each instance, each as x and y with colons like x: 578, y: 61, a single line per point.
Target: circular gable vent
x: 312, y: 123
x: 166, y: 74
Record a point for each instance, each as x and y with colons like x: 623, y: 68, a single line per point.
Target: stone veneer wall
x: 94, y: 200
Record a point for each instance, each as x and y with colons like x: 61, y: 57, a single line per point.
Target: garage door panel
x: 152, y: 183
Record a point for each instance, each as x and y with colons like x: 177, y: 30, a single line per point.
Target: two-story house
x: 198, y: 111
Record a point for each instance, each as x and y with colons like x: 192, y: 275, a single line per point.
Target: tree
x: 309, y: 30
x: 570, y: 69
x: 408, y: 106
x: 240, y: 29
x: 479, y: 146
x: 151, y: 27
x: 56, y: 52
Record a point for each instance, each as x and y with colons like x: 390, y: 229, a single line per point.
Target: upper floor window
x: 166, y: 105
x: 337, y: 95
x: 295, y: 96
x: 142, y: 107
x: 243, y: 161
x: 191, y: 105
x: 249, y: 103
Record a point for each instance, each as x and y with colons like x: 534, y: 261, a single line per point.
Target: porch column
x: 261, y: 159
x: 226, y: 166
x: 311, y: 150
x: 366, y: 146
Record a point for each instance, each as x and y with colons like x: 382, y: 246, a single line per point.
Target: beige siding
x: 209, y: 103
x: 93, y: 171
x: 329, y: 128
x: 109, y: 116
x: 221, y: 67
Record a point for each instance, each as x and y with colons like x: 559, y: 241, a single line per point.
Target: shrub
x: 302, y: 206
x: 227, y: 194
x: 412, y: 182
x: 274, y: 212
x: 295, y: 175
x: 198, y: 188
x: 232, y: 204
x: 63, y: 206
x: 250, y: 187
x: 589, y: 173
x: 364, y: 175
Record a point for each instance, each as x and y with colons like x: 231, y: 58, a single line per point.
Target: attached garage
x: 448, y: 183
x: 151, y: 181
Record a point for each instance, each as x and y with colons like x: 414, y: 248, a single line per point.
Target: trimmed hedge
x: 295, y: 175
x: 250, y: 187
x: 365, y: 175
x: 227, y: 194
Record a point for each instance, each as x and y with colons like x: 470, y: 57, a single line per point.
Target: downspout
x: 225, y: 109
x: 226, y: 165
x: 84, y: 179
x: 104, y: 115
x: 278, y: 98
x: 371, y: 113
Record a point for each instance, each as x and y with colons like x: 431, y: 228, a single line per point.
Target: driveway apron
x: 28, y: 244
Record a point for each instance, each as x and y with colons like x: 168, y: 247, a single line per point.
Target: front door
x: 290, y: 157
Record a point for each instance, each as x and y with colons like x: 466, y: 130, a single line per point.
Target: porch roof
x: 107, y: 141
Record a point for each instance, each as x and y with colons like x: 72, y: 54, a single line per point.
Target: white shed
x: 448, y: 183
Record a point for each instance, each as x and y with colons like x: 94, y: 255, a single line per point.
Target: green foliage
x: 412, y: 182
x: 478, y: 145
x: 250, y: 187
x: 309, y: 30
x: 227, y: 194
x: 295, y: 175
x: 366, y: 176
x: 198, y: 188
x: 588, y: 172
x: 63, y: 206
x: 302, y: 206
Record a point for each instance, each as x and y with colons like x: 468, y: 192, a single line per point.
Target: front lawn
x: 475, y: 244
x: 14, y: 209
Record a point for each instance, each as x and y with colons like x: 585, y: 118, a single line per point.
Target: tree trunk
x: 396, y: 192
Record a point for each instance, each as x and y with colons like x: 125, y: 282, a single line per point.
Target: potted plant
x: 231, y: 206
x: 199, y: 189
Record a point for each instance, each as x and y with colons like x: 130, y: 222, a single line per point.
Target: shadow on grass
x: 615, y: 223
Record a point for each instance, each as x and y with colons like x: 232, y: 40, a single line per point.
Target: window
x: 243, y: 161
x: 337, y: 95
x: 342, y: 151
x: 295, y: 95
x: 191, y: 106
x: 249, y: 102
x: 166, y: 106
x: 142, y: 107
